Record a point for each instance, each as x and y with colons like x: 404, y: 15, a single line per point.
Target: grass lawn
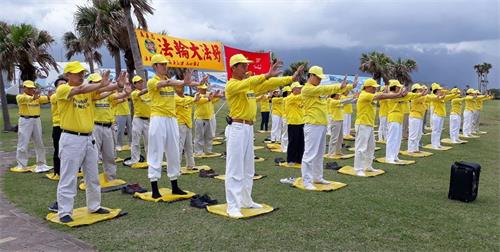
x: 405, y: 209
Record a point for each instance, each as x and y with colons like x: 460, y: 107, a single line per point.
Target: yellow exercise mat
x: 285, y: 164
x: 221, y: 209
x: 349, y: 170
x: 273, y: 146
x: 125, y: 147
x: 218, y: 138
x: 211, y: 155
x: 380, y: 142
x: 354, y: 149
x: 426, y: 134
x: 117, y: 160
x: 140, y: 165
x: 223, y: 177
x: 53, y: 176
x: 427, y: 128
x: 185, y: 170
x: 260, y: 159
x: 400, y: 162
x: 442, y: 148
x: 319, y: 187
x: 416, y: 154
x: 349, y: 138
x: 82, y: 217
x: 481, y: 132
x: 258, y: 147
x: 23, y: 170
x: 336, y: 157
x: 79, y: 175
x: 216, y: 143
x: 166, y: 196
x: 471, y: 136
x: 448, y: 141
x: 106, y: 185
x: 263, y: 131
x: 276, y: 150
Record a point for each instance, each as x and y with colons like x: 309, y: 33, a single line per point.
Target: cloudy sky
x: 445, y: 37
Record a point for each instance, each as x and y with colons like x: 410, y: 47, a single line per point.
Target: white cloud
x: 484, y: 47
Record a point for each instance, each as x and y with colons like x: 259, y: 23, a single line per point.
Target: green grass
x: 405, y: 209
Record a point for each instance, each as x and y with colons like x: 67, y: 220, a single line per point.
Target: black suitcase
x: 464, y: 181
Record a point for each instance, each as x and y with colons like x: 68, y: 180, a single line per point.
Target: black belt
x: 144, y: 118
x: 103, y: 124
x: 76, y: 133
x: 27, y: 117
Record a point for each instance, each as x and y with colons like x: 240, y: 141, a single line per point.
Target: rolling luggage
x: 464, y: 181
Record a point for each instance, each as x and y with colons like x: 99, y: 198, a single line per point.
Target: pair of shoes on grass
x: 202, y: 201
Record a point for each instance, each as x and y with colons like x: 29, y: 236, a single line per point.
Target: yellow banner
x: 180, y: 52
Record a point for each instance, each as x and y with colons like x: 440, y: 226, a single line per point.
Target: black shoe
x: 66, y: 219
x: 205, y: 198
x: 176, y: 189
x: 101, y: 211
x: 155, y: 193
x: 54, y: 207
x: 197, y: 202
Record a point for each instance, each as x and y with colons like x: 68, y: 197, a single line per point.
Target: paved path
x: 21, y: 232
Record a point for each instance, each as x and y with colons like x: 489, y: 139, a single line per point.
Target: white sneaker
x: 309, y: 187
x: 255, y: 205
x: 234, y: 214
x: 287, y: 180
x: 390, y: 161
x: 371, y: 169
x: 360, y: 174
x: 128, y: 163
x: 42, y: 168
x: 323, y: 182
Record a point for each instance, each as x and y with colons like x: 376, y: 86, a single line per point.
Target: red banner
x: 261, y: 61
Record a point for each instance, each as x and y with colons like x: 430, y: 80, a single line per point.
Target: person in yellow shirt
x: 163, y: 135
x: 265, y: 108
x: 456, y: 115
x: 347, y: 114
x: 438, y: 99
x: 294, y: 113
x: 470, y: 106
x: 364, y: 144
x: 405, y: 106
x: 184, y: 112
x: 240, y: 94
x: 140, y: 123
x: 315, y: 111
x: 30, y: 127
x: 336, y: 105
x: 123, y: 122
x: 56, y: 129
x: 203, y: 113
x: 77, y: 145
x: 284, y: 127
x: 479, y: 106
x: 276, y: 116
x: 382, y: 118
x: 417, y: 113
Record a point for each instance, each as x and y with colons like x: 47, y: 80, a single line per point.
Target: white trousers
x: 276, y: 128
x: 284, y: 135
x: 467, y: 126
x: 202, y: 136
x: 475, y: 121
x: 393, y: 145
x: 240, y: 167
x: 186, y: 144
x: 454, y: 127
x: 140, y: 128
x: 336, y: 138
x: 123, y: 121
x: 105, y: 147
x: 406, y: 122
x: 437, y: 128
x: 431, y: 113
x: 314, y: 149
x: 213, y: 125
x: 163, y: 140
x: 414, y: 133
x: 329, y: 126
x: 382, y: 128
x: 29, y: 128
x: 364, y: 146
x: 75, y: 152
x: 346, y: 127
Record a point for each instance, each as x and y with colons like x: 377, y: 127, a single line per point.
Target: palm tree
x: 75, y: 45
x: 293, y: 67
x: 377, y: 64
x: 482, y: 71
x: 401, y: 70
x: 7, y: 66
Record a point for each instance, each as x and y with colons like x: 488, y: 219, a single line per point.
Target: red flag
x: 261, y: 61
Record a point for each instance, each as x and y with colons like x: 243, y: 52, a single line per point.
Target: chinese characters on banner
x: 261, y: 61
x: 180, y: 52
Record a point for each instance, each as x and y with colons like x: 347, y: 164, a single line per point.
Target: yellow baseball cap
x: 370, y: 83
x: 202, y: 86
x: 29, y: 84
x: 394, y: 83
x: 295, y: 85
x: 74, y: 67
x: 287, y: 89
x: 95, y: 77
x: 136, y: 79
x: 416, y: 86
x: 470, y: 91
x: 455, y: 91
x: 158, y: 59
x: 238, y: 58
x: 318, y: 71
x: 477, y: 92
x: 435, y: 86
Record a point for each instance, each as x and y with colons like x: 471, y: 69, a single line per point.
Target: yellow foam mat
x: 263, y: 131
x: 345, y: 156
x: 117, y: 160
x: 427, y: 134
x: 273, y: 146
x: 82, y: 217
x: 140, y: 165
x: 211, y: 155
x: 223, y: 177
x: 400, y: 162
x: 349, y: 138
x: 53, y: 176
x: 260, y: 159
x: 417, y: 154
x: 448, y: 141
x: 125, y: 147
x: 427, y: 128
x: 285, y: 164
x: 218, y: 138
x: 471, y: 136
x: 79, y: 175
x: 216, y: 142
x: 258, y: 147
x: 184, y: 170
x: 349, y: 170
x: 105, y: 184
x: 380, y: 142
x: 319, y: 187
x: 221, y: 209
x: 353, y: 149
x: 482, y: 132
x: 166, y: 196
x: 443, y: 148
x: 21, y: 170
x: 276, y: 150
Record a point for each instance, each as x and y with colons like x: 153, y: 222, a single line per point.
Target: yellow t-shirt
x: 348, y: 106
x: 336, y: 109
x: 55, y: 111
x: 264, y: 103
x: 479, y: 101
x: 103, y: 112
x: 294, y: 109
x: 439, y: 104
x: 141, y: 104
x: 184, y: 110
x: 395, y: 107
x: 470, y: 103
x: 122, y: 108
x: 203, y: 108
x: 162, y: 99
x: 277, y: 106
x: 77, y: 112
x: 315, y: 99
x: 365, y: 109
x: 405, y: 106
x: 383, y: 111
x: 456, y: 106
x: 241, y: 94
x: 418, y: 107
x: 28, y: 106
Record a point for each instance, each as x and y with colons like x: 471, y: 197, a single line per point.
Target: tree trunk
x: 91, y: 64
x: 129, y: 62
x: 118, y: 63
x: 134, y: 46
x: 5, y: 108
